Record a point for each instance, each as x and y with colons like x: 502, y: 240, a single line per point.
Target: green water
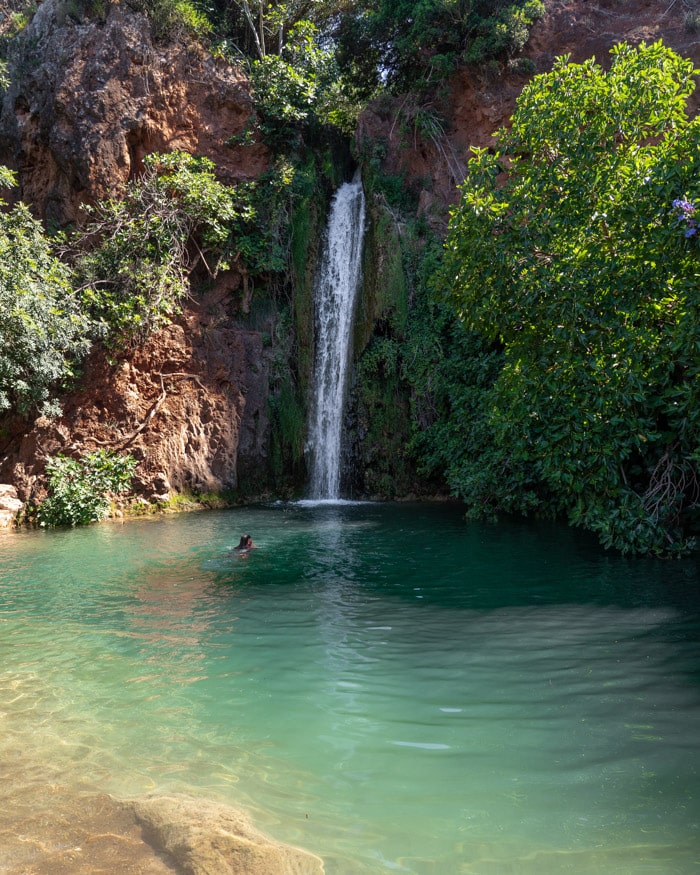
x: 383, y: 685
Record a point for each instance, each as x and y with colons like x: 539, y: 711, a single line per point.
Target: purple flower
x: 685, y: 207
x: 685, y: 212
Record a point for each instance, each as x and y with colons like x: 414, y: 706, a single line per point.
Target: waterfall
x: 336, y: 287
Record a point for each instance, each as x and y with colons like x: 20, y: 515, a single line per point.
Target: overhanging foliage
x: 42, y: 327
x: 567, y: 251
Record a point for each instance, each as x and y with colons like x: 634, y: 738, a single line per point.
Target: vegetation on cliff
x: 320, y: 62
x: 132, y: 261
x: 414, y: 44
x: 43, y: 327
x: 544, y: 366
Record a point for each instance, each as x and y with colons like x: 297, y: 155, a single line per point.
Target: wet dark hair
x: 244, y: 541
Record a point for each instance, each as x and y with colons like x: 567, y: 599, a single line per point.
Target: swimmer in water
x: 245, y: 545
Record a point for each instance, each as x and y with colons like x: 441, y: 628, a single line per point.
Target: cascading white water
x: 336, y: 287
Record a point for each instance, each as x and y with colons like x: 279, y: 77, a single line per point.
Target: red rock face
x: 86, y: 104
x: 88, y: 101
x: 190, y: 405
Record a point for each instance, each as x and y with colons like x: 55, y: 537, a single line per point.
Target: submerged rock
x: 57, y: 830
x: 62, y: 829
x: 206, y: 838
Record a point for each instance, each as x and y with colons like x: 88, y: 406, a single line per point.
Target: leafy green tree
x: 570, y: 251
x: 297, y: 86
x: 259, y: 28
x: 286, y: 86
x: 403, y: 43
x: 42, y: 329
x: 133, y: 261
x: 80, y: 490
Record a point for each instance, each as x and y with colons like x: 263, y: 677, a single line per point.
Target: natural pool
x: 383, y: 685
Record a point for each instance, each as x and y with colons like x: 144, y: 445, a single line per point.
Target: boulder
x: 206, y: 838
x: 10, y: 505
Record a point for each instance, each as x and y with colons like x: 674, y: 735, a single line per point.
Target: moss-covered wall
x: 317, y: 173
x: 383, y: 299
x: 378, y: 460
x: 306, y: 232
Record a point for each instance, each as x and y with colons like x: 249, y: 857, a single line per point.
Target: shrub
x: 287, y: 86
x: 575, y: 250
x: 80, y: 489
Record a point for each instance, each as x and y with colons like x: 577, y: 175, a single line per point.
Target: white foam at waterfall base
x: 328, y: 502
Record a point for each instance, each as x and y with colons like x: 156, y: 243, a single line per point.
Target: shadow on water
x: 488, y: 566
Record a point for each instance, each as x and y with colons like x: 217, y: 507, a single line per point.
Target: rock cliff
x: 88, y: 98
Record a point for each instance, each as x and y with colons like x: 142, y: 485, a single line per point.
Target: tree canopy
x: 42, y: 327
x: 574, y: 252
x: 403, y: 44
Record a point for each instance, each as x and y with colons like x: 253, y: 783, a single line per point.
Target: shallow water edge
x: 59, y: 829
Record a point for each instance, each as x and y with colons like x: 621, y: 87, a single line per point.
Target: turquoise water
x: 383, y: 685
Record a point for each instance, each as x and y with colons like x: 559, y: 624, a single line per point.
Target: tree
x: 568, y: 251
x: 42, y: 329
x: 408, y: 43
x: 133, y: 260
x: 260, y: 28
x: 286, y: 86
